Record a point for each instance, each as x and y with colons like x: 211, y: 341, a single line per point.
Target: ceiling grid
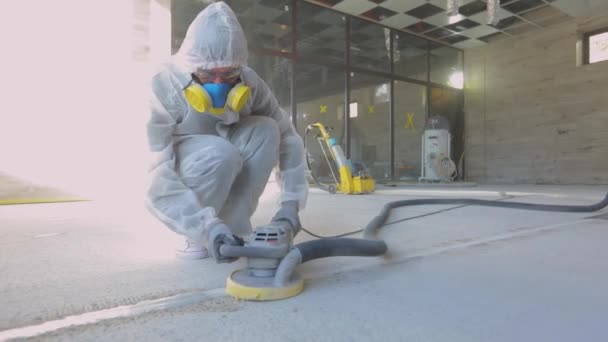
x: 429, y: 18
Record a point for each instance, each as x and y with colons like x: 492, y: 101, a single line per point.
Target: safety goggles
x: 228, y: 75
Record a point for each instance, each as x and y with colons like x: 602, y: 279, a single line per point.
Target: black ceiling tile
x: 462, y: 25
x: 377, y: 1
x: 455, y: 39
x: 420, y: 27
x: 379, y: 13
x: 439, y: 33
x: 506, y: 22
x: 523, y: 5
x: 424, y: 11
x: 472, y: 8
x: 490, y: 37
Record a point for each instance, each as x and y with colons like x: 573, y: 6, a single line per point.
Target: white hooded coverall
x: 211, y: 169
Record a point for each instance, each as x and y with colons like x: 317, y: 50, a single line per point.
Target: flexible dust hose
x: 317, y: 249
x: 368, y: 246
x: 378, y: 221
x: 324, y: 248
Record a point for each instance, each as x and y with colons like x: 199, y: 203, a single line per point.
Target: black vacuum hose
x: 380, y: 219
x: 369, y: 246
x: 324, y: 248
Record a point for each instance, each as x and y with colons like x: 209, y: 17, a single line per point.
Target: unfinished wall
x: 533, y: 115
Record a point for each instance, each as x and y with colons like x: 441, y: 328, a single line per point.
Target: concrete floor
x: 95, y: 271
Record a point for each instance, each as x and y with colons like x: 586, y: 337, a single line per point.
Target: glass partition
x: 446, y: 66
x: 266, y: 24
x: 320, y: 98
x: 276, y: 72
x: 321, y: 33
x: 449, y: 104
x: 369, y: 45
x: 410, y: 56
x: 370, y: 124
x: 410, y: 116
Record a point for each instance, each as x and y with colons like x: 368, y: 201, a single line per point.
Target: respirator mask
x: 216, y: 97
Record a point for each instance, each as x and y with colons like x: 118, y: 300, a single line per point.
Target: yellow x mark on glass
x: 410, y: 121
x: 323, y: 109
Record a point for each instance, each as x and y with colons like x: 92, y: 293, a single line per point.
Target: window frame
x: 586, y: 46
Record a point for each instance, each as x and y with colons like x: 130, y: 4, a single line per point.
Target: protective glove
x: 219, y: 235
x: 288, y: 217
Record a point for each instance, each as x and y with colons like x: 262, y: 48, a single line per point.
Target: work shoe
x: 192, y: 250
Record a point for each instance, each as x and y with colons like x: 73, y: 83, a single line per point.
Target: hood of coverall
x: 215, y: 39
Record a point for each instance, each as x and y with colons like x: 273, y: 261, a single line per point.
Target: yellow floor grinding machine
x: 345, y: 181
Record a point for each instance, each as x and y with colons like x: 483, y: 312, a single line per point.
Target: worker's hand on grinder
x: 219, y: 235
x: 288, y: 217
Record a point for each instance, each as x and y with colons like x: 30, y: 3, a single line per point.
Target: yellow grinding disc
x: 243, y: 286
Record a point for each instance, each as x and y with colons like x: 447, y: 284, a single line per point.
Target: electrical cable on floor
x: 401, y: 220
x: 331, y: 237
x: 427, y: 214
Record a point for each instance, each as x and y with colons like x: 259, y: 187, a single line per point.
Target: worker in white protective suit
x: 218, y: 132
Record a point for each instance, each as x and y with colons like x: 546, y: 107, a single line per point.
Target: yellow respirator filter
x: 237, y: 97
x: 200, y: 100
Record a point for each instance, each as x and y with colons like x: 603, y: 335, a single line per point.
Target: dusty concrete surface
x: 467, y: 274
